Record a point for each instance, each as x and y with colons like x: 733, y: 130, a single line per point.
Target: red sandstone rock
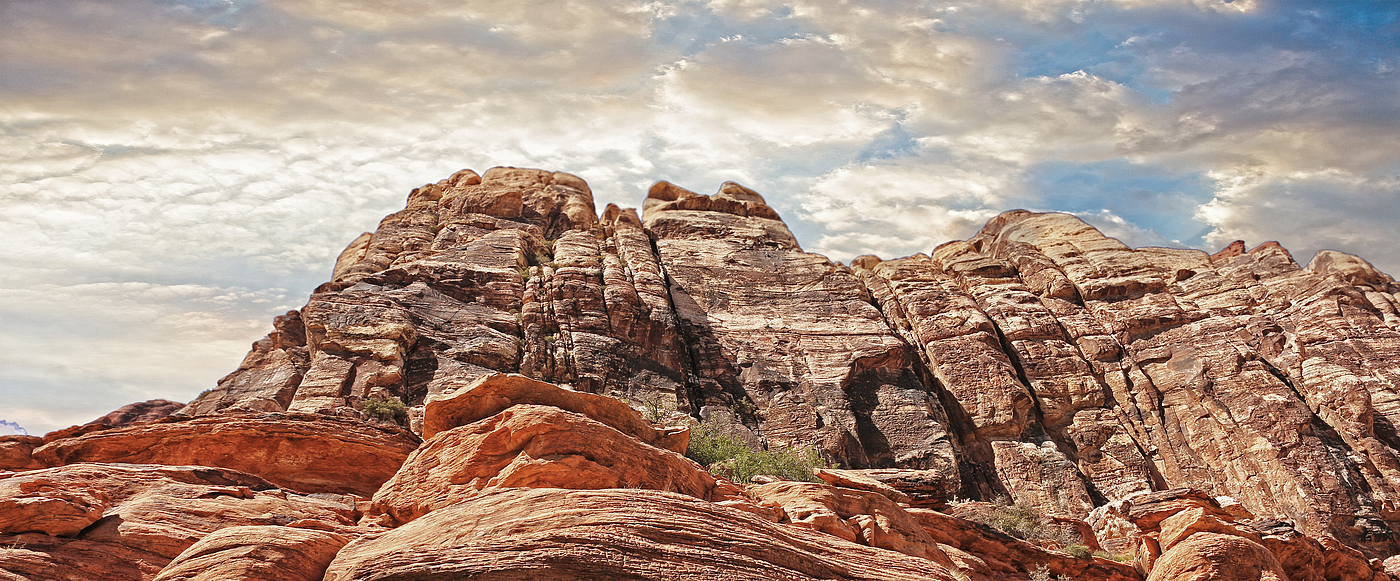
x: 138, y: 413
x: 36, y: 556
x: 298, y: 452
x: 534, y: 447
x: 1208, y: 556
x: 16, y: 452
x: 256, y: 553
x: 999, y: 555
x: 495, y: 393
x: 126, y: 521
x: 612, y: 534
x: 854, y: 515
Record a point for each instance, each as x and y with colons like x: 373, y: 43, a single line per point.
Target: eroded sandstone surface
x: 1207, y: 415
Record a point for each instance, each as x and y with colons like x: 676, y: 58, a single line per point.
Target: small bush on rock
x: 390, y: 409
x: 1023, y: 521
x: 731, y: 457
x: 1079, y: 551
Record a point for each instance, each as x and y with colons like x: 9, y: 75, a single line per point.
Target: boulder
x: 549, y: 533
x: 77, y: 517
x: 494, y: 393
x: 305, y: 453
x: 16, y: 452
x: 256, y: 553
x: 532, y: 446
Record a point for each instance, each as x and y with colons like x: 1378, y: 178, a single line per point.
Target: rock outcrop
x: 1208, y: 416
x: 300, y: 452
x: 127, y: 521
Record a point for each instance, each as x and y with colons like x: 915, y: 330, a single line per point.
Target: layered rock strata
x: 543, y: 487
x: 1039, y: 360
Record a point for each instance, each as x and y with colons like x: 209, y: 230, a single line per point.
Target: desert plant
x: 386, y: 409
x: 732, y: 457
x: 1079, y: 551
x: 655, y: 410
x: 743, y: 407
x: 1023, y: 521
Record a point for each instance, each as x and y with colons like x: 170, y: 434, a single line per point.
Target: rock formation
x: 1210, y: 416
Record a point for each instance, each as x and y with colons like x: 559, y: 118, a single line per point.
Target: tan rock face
x: 791, y: 335
x: 298, y: 452
x: 510, y: 271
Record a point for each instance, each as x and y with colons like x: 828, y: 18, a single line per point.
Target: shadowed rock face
x: 1038, y: 360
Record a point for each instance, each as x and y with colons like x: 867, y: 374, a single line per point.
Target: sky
x: 174, y: 173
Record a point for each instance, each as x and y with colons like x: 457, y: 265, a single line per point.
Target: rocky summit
x: 502, y: 383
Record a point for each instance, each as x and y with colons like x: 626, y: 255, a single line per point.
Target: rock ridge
x: 1039, y: 360
x: 1184, y: 408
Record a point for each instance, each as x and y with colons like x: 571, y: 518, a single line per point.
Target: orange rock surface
x: 305, y: 453
x: 532, y: 446
x: 550, y: 533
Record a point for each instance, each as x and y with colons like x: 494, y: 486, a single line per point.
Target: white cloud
x: 895, y: 211
x: 238, y: 146
x: 69, y: 354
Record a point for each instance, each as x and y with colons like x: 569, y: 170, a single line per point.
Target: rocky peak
x: 1172, y: 404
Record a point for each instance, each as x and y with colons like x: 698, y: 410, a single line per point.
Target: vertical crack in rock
x: 792, y: 333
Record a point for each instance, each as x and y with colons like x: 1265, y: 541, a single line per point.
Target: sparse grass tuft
x: 731, y: 457
x: 1024, y: 522
x: 1079, y: 551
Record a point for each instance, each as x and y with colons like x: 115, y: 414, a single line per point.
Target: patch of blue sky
x: 1151, y: 197
x: 694, y: 26
x: 221, y: 13
x: 889, y: 144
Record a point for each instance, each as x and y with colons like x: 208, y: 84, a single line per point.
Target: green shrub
x: 391, y: 409
x: 1079, y: 551
x: 1024, y: 522
x: 731, y: 456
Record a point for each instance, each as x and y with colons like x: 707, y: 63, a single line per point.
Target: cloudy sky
x: 173, y: 173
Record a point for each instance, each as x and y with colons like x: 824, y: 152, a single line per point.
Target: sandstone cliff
x: 1039, y: 360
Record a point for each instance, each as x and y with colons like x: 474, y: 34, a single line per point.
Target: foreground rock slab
x: 532, y: 446
x: 114, y: 522
x: 256, y: 553
x: 531, y: 534
x: 301, y: 452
